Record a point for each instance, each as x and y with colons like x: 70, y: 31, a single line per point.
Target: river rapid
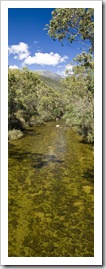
x: 51, y: 194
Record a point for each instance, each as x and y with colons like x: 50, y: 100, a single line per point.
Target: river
x: 51, y: 194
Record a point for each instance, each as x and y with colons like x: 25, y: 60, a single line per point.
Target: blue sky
x: 30, y: 45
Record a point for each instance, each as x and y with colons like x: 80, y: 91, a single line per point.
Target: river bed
x: 51, y: 194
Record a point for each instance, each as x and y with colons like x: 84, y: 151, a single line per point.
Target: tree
x: 85, y: 69
x: 22, y: 96
x: 31, y: 101
x: 77, y: 24
x: 74, y: 24
x: 80, y: 107
x: 13, y: 102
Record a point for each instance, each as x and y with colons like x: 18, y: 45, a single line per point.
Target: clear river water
x: 51, y: 194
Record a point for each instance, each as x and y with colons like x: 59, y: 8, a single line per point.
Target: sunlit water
x: 51, y: 194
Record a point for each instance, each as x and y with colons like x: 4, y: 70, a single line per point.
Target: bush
x: 14, y: 134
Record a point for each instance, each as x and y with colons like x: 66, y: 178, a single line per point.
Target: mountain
x: 49, y: 74
x: 52, y: 80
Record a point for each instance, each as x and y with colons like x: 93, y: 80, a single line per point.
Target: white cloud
x: 61, y: 73
x: 13, y: 67
x: 45, y: 59
x: 21, y: 51
x: 68, y: 70
x: 24, y: 55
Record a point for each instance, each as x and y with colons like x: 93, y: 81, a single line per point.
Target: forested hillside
x: 31, y: 101
x: 52, y: 82
x: 34, y: 98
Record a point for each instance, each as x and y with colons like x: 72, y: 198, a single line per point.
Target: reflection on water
x: 51, y: 194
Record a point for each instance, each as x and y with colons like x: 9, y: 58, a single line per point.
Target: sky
x: 30, y: 45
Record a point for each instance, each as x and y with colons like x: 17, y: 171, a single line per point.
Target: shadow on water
x: 45, y: 160
x: 38, y: 159
x: 83, y: 141
x: 31, y: 133
x: 89, y: 175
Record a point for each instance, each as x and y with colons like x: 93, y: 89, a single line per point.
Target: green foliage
x: 52, y: 82
x: 73, y: 24
x: 31, y: 101
x: 22, y: 95
x: 81, y: 115
x: 80, y: 108
x: 50, y: 104
x: 14, y: 134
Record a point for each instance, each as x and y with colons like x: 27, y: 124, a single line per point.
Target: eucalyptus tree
x: 72, y: 24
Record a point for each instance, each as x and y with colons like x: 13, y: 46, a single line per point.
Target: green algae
x: 51, y: 194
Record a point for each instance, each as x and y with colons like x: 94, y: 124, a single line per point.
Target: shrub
x: 14, y: 134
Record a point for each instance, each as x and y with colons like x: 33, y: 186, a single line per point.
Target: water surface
x: 51, y: 194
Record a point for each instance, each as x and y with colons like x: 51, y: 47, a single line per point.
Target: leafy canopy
x: 74, y: 24
x: 79, y: 110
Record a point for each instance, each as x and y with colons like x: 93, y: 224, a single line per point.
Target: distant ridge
x: 49, y: 74
x: 51, y: 79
